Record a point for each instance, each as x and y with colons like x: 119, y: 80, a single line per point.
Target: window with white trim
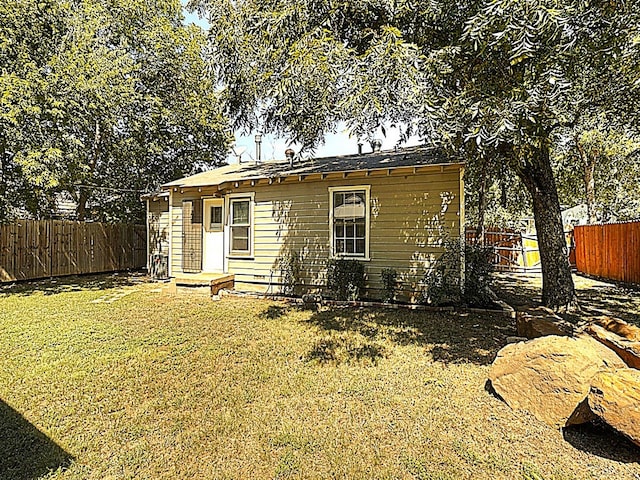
x: 240, y: 225
x: 349, y: 218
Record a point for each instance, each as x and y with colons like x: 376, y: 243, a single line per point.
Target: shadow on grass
x: 25, y: 452
x: 274, y: 312
x: 449, y: 337
x: 74, y: 283
x: 343, y: 349
x: 602, y: 441
x: 596, y: 298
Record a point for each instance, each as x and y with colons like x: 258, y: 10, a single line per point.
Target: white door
x: 213, y: 254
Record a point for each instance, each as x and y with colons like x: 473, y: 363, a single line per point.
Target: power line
x: 111, y: 188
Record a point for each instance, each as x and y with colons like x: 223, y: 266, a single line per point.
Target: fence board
x: 609, y: 251
x: 31, y: 249
x: 513, y: 250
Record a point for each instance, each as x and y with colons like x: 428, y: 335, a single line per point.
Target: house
x: 576, y: 215
x: 392, y: 209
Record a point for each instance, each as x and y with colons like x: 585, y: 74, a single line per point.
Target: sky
x: 338, y: 143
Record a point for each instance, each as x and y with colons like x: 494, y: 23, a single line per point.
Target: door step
x: 212, y: 281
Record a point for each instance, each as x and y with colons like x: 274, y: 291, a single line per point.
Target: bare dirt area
x: 596, y: 297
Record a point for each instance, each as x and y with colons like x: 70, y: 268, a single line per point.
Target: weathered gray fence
x: 31, y: 249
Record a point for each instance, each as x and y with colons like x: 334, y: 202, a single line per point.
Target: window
x: 213, y: 214
x: 240, y: 223
x: 215, y: 218
x: 349, y: 217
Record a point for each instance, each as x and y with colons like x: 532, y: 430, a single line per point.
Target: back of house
x: 276, y: 225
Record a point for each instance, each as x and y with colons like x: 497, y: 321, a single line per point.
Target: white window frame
x: 210, y: 202
x: 367, y: 224
x: 231, y: 199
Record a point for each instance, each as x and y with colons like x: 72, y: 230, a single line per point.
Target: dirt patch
x: 596, y: 298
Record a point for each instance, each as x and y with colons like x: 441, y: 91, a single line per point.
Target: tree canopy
x: 102, y: 99
x: 488, y: 79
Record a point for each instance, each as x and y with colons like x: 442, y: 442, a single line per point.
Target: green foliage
x: 345, y: 279
x: 289, y: 272
x: 389, y: 284
x: 478, y: 267
x: 489, y: 79
x: 441, y: 283
x: 102, y: 102
x: 597, y: 163
x: 494, y: 197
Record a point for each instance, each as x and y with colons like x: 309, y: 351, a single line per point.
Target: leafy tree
x: 598, y: 163
x: 103, y: 99
x: 491, y: 79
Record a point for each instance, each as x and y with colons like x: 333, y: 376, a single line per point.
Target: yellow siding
x: 158, y: 218
x: 410, y: 217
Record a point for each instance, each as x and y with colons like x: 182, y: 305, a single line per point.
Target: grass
x: 105, y: 379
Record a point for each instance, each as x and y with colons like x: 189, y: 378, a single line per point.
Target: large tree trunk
x: 81, y: 210
x: 558, y: 291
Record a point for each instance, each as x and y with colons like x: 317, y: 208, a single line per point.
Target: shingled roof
x: 406, y: 157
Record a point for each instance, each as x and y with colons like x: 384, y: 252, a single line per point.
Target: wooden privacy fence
x: 609, y: 251
x: 31, y: 249
x: 513, y: 250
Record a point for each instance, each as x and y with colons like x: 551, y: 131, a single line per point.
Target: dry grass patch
x: 154, y: 386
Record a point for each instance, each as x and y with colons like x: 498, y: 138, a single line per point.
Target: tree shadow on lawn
x: 450, y: 337
x: 25, y: 452
x: 73, y: 283
x: 596, y: 298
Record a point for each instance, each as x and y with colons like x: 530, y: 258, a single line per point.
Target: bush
x: 289, y: 272
x: 442, y: 282
x: 389, y: 283
x: 345, y: 279
x: 478, y: 269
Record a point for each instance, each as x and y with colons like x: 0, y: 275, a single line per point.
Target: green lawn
x: 110, y: 380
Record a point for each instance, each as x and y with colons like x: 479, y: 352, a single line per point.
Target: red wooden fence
x: 513, y: 250
x: 609, y: 251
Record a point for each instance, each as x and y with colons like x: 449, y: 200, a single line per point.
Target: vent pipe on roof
x: 359, y: 148
x: 289, y: 153
x: 258, y: 147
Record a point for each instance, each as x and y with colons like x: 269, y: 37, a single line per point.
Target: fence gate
x: 192, y: 236
x: 513, y: 251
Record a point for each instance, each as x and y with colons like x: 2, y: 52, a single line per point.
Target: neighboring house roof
x: 576, y: 215
x: 406, y: 157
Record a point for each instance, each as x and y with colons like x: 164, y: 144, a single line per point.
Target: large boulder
x: 615, y: 398
x: 550, y: 376
x: 540, y: 322
x: 628, y: 350
x: 620, y: 328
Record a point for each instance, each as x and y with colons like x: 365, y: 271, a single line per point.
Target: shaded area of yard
x: 73, y: 283
x: 596, y: 297
x: 447, y: 337
x: 25, y: 452
x: 155, y: 386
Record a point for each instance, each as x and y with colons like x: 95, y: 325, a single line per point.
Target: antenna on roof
x: 238, y: 151
x: 376, y: 145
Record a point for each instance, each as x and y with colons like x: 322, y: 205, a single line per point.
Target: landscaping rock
x: 626, y: 349
x: 615, y: 398
x: 550, y: 376
x: 516, y: 339
x: 540, y: 322
x: 620, y: 328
